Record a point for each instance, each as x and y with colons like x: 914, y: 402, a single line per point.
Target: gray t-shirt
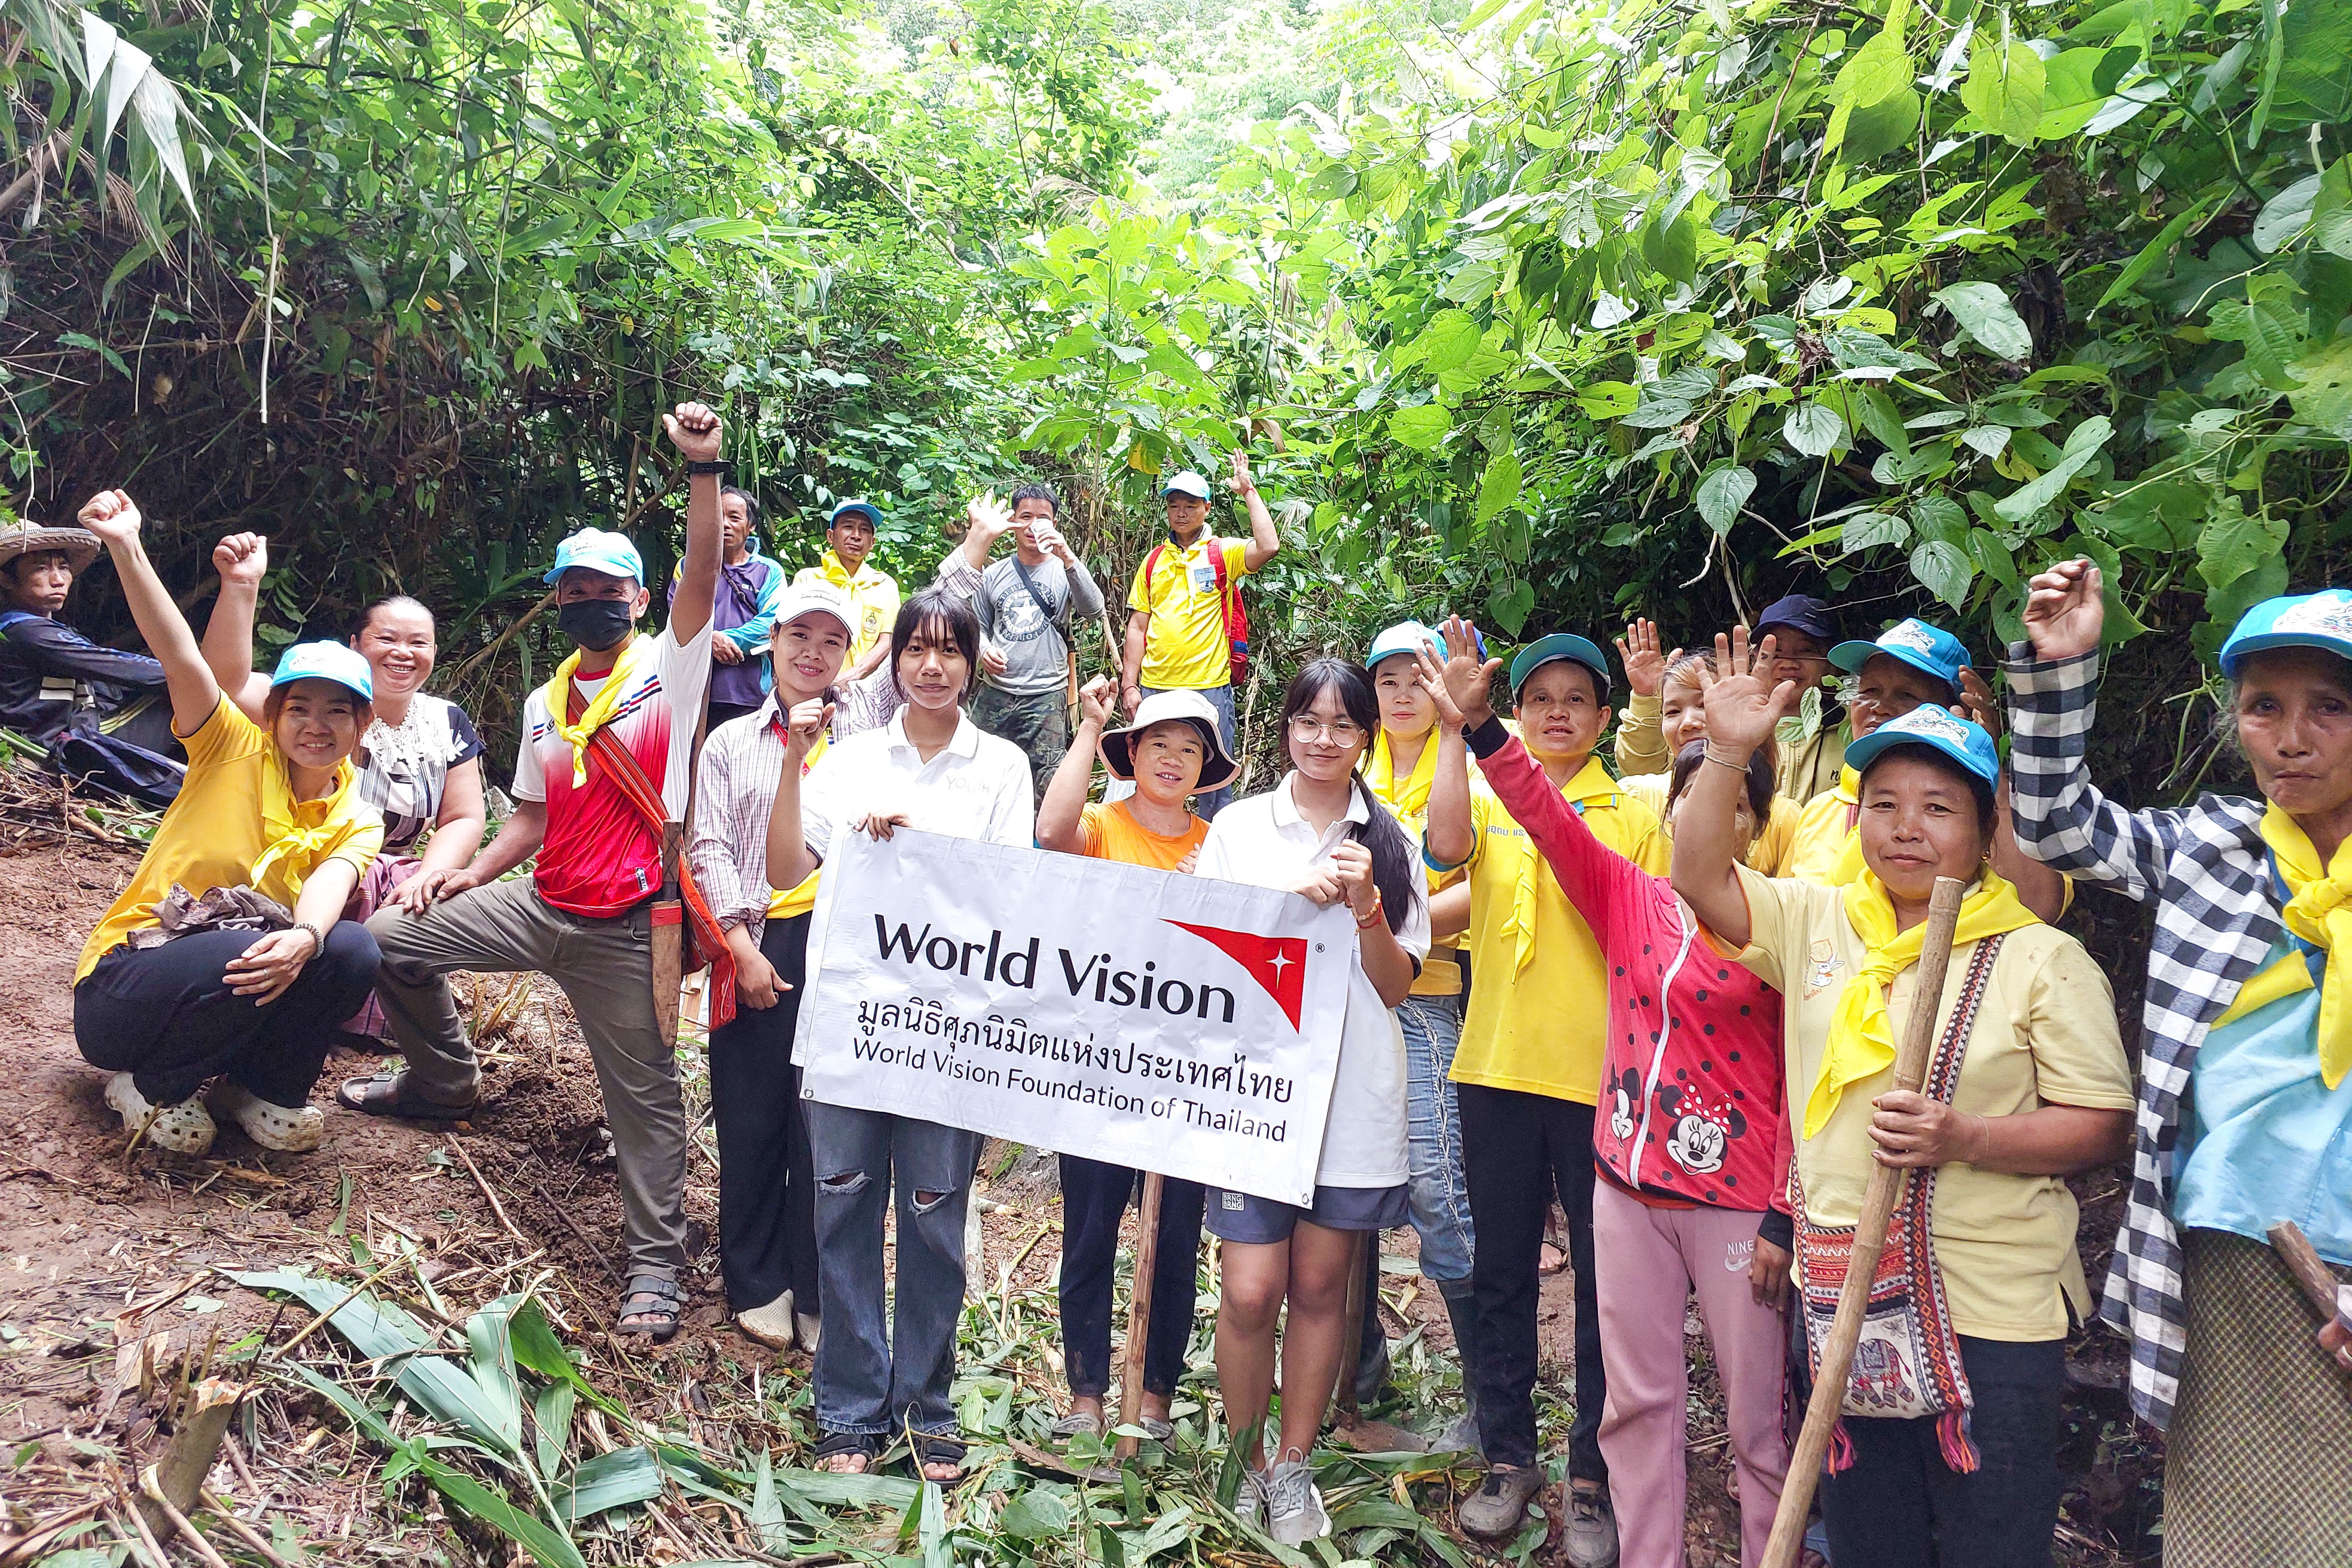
x: 1034, y: 640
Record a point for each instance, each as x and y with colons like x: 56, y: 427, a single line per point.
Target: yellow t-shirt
x: 873, y: 599
x: 1540, y: 1028
x: 1408, y: 798
x: 1185, y: 647
x: 1824, y: 828
x: 790, y: 903
x: 1772, y: 846
x: 1111, y: 833
x: 213, y: 833
x: 2045, y: 1033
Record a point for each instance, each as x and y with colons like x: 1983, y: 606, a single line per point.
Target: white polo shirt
x: 1263, y: 841
x: 975, y: 786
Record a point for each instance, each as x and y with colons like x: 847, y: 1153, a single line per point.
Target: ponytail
x: 1393, y: 871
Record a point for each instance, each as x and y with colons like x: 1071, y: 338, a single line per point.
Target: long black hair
x: 1395, y: 869
x: 934, y: 610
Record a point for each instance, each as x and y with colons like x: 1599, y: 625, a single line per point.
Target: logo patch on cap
x: 1929, y: 719
x: 1915, y: 634
x: 2319, y: 615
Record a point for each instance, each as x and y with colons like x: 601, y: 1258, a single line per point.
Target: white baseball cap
x: 1187, y: 483
x: 815, y: 598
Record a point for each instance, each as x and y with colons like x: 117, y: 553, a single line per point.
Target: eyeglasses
x: 1339, y: 732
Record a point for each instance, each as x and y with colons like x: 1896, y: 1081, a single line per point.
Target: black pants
x: 1901, y: 1506
x: 767, y: 1182
x: 166, y: 1015
x: 1094, y: 1197
x: 1517, y: 1149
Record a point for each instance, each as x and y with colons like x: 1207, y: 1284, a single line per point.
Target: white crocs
x: 183, y: 1129
x: 289, y: 1130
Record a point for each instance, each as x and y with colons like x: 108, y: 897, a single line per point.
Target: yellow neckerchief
x: 2320, y: 912
x: 1409, y: 796
x: 599, y: 707
x: 1861, y: 1035
x: 839, y: 575
x: 1591, y: 782
x: 294, y: 849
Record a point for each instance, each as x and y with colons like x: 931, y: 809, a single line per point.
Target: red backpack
x: 1229, y: 595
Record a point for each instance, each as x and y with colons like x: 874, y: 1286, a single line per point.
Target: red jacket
x: 1691, y: 1086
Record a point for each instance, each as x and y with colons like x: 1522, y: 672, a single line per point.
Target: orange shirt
x: 1111, y: 833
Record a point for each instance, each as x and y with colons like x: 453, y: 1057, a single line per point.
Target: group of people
x: 1666, y: 998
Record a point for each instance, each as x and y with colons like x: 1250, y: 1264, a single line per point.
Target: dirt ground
x: 102, y: 1254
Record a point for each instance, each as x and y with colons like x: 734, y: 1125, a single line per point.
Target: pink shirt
x: 1691, y: 1077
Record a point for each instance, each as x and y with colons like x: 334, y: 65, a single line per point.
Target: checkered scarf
x: 2217, y: 918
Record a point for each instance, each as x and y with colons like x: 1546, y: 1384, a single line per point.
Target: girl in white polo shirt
x: 1321, y: 833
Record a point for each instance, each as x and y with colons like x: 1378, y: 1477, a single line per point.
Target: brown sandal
x: 654, y: 1298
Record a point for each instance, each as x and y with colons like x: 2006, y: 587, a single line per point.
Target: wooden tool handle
x: 2318, y: 1280
x: 1139, y: 1310
x: 1885, y: 1189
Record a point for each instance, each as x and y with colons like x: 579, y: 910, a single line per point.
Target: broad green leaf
x: 2314, y: 80
x: 2083, y: 447
x: 1449, y: 340
x: 1873, y: 71
x: 1939, y: 517
x: 1673, y: 250
x: 1867, y: 529
x: 2235, y: 542
x: 1420, y: 428
x: 616, y: 1479
x: 1989, y: 439
x: 1607, y: 399
x: 1880, y: 128
x: 1722, y: 492
x: 1034, y: 1515
x: 2331, y: 212
x: 1500, y: 486
x: 1984, y: 313
x: 2004, y: 86
x: 1813, y: 429
x: 2286, y: 214
x: 2323, y: 389
x: 1945, y: 569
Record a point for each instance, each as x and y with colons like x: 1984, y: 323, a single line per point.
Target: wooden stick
x: 153, y: 1495
x: 497, y: 1207
x: 242, y: 1530
x: 2318, y: 1280
x: 1139, y: 1312
x: 1878, y: 1203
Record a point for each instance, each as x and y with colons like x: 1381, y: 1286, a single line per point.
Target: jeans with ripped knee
x: 872, y: 1378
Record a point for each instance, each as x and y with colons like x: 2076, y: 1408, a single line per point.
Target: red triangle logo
x: 1276, y: 962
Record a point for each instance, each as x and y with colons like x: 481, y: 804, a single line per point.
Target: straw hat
x: 26, y: 538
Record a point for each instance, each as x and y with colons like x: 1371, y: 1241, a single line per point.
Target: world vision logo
x: 1278, y: 963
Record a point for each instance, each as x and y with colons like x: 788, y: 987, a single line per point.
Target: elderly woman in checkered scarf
x: 2245, y: 1116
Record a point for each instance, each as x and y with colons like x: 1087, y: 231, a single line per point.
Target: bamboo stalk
x: 1139, y: 1312
x: 1878, y: 1203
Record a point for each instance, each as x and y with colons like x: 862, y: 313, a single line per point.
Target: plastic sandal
x: 865, y: 1445
x: 939, y: 1449
x: 289, y: 1130
x: 1155, y: 1428
x: 1077, y: 1424
x: 659, y: 1296
x: 185, y: 1128
x: 387, y: 1093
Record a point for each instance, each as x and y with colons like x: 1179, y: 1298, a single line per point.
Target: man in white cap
x: 1179, y: 629
x: 584, y: 916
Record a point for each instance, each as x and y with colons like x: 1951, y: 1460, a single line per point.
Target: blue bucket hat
x: 1405, y: 637
x: 598, y: 550
x: 1558, y: 646
x: 1931, y: 650
x: 332, y: 661
x: 2321, y: 620
x: 1939, y: 729
x: 855, y: 503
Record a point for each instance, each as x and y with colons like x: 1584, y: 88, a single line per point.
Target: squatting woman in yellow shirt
x: 269, y: 810
x: 1948, y: 1446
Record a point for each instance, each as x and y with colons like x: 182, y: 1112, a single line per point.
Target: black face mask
x: 595, y: 624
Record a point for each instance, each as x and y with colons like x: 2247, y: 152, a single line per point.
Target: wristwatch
x: 718, y: 466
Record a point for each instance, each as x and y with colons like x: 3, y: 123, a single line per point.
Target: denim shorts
x: 1253, y: 1221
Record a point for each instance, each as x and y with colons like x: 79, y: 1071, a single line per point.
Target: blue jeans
x: 1205, y: 806
x: 1439, y: 1194
x: 869, y: 1380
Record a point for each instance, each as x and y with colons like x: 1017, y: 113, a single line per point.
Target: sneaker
x: 1294, y: 1507
x: 806, y: 1326
x: 1496, y: 1510
x: 1249, y: 1503
x: 770, y: 1325
x: 1591, y: 1539
x: 289, y: 1130
x: 183, y: 1129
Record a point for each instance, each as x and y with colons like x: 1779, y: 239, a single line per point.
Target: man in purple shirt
x: 741, y: 622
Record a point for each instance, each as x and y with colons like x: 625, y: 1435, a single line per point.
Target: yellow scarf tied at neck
x: 1850, y: 863
x: 2320, y: 912
x: 1409, y: 796
x: 294, y: 849
x: 1861, y: 1034
x: 599, y: 707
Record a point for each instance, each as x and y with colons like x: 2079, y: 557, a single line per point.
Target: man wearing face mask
x: 584, y: 916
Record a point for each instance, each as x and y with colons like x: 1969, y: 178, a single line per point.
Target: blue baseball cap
x: 338, y: 662
x: 1931, y: 650
x: 1799, y: 612
x: 1186, y: 483
x: 1938, y: 729
x: 855, y: 503
x: 1560, y: 645
x: 1405, y: 637
x: 2321, y: 620
x: 598, y: 550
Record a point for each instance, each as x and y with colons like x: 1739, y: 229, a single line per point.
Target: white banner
x: 1166, y: 1022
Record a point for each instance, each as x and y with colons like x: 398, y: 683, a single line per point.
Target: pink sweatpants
x: 1650, y: 1260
